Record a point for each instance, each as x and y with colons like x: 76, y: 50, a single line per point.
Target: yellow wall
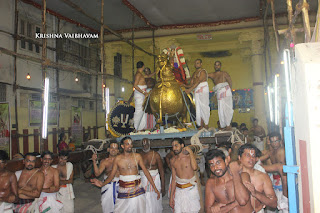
x: 238, y: 65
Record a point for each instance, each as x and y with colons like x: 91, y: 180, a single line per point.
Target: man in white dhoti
x: 153, y: 163
x: 30, y: 183
x: 199, y: 82
x: 48, y: 198
x: 8, y: 185
x: 223, y: 85
x: 131, y: 195
x: 109, y: 192
x: 140, y: 93
x: 65, y: 194
x: 185, y: 195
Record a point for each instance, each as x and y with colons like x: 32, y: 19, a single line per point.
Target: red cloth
x: 62, y: 146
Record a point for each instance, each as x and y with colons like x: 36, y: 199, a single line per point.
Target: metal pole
x: 43, y: 63
x: 102, y: 62
x: 132, y: 37
x: 15, y: 69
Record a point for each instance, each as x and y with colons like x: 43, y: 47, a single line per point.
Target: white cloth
x: 187, y: 199
x: 66, y: 194
x: 225, y: 105
x: 109, y: 195
x: 48, y: 203
x: 201, y: 96
x: 258, y: 143
x: 6, y: 207
x: 282, y: 205
x: 152, y: 203
x: 130, y: 205
x: 139, y: 115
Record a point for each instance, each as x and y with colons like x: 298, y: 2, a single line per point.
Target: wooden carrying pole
x: 102, y: 63
x: 306, y: 22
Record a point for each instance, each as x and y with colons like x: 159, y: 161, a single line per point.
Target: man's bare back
x: 8, y: 187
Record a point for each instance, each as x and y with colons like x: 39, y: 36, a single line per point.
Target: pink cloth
x: 62, y: 146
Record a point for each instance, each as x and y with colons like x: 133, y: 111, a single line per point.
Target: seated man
x: 65, y: 195
x: 225, y: 191
x: 30, y: 183
x: 8, y: 185
x: 48, y: 198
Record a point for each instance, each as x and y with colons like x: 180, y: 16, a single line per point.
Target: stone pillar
x: 254, y: 40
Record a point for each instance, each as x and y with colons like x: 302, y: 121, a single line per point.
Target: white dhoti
x: 282, y: 205
x: 6, y: 207
x: 109, y: 195
x: 152, y: 203
x: 187, y: 198
x: 225, y: 105
x: 139, y: 117
x: 48, y: 203
x: 201, y: 96
x: 131, y: 196
x: 66, y: 194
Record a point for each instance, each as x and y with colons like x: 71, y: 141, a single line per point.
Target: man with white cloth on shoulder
x: 131, y: 195
x: 153, y: 163
x: 109, y: 192
x: 65, y: 194
x: 223, y: 85
x: 48, y: 198
x: 199, y: 82
x: 185, y: 195
x: 140, y: 92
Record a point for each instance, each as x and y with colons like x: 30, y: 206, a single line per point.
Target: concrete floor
x: 88, y: 197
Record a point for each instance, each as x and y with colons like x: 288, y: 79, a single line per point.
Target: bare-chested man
x: 51, y: 183
x: 262, y: 193
x: 109, y: 192
x: 199, y: 82
x: 8, y: 185
x: 223, y: 85
x: 225, y: 191
x: 66, y: 194
x: 185, y: 195
x: 258, y: 133
x: 151, y: 82
x: 279, y: 179
x: 131, y: 195
x: 30, y: 183
x: 153, y: 163
x: 140, y: 92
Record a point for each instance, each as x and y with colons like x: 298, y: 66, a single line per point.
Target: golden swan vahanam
x: 166, y: 97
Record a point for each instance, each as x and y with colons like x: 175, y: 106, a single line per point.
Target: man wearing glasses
x: 276, y: 154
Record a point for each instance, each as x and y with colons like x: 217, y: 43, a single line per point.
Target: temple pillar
x: 255, y: 42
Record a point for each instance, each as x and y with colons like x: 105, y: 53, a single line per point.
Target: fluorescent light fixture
x: 107, y: 101
x: 45, y: 109
x: 287, y: 64
x: 270, y: 104
x: 122, y: 89
x: 276, y: 99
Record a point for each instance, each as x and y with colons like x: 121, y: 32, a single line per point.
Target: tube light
x: 286, y: 58
x: 107, y: 101
x: 270, y: 104
x: 276, y: 99
x: 45, y: 109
